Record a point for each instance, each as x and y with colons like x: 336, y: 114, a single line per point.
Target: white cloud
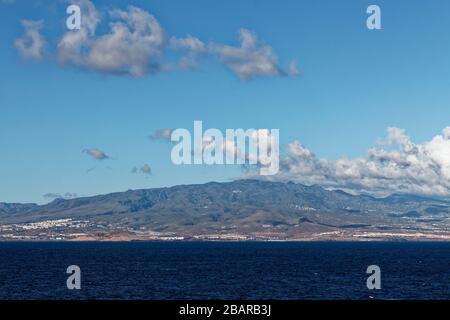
x: 32, y: 43
x: 250, y: 59
x: 133, y: 45
x: 96, y: 154
x: 406, y: 167
x: 262, y: 140
x: 193, y: 47
x: 73, y: 45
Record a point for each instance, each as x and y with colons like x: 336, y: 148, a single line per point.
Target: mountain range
x: 237, y: 210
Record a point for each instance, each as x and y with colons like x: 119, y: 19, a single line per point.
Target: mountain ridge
x: 252, y: 209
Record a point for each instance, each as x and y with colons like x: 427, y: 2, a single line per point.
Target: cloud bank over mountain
x: 400, y: 166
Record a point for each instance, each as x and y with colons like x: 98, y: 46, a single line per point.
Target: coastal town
x: 79, y: 230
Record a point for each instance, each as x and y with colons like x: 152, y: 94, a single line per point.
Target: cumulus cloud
x: 161, y: 134
x: 72, y: 47
x: 96, y: 154
x: 145, y: 169
x: 134, y: 38
x: 261, y: 143
x: 193, y: 49
x: 252, y: 58
x: 401, y: 166
x: 135, y: 44
x: 32, y: 43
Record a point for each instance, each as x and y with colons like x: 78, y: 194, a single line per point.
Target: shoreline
x: 397, y: 240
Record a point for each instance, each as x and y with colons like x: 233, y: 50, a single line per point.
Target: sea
x: 225, y: 270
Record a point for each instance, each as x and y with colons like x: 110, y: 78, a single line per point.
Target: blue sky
x: 354, y: 84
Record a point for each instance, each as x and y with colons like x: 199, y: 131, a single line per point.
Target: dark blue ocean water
x: 212, y: 270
